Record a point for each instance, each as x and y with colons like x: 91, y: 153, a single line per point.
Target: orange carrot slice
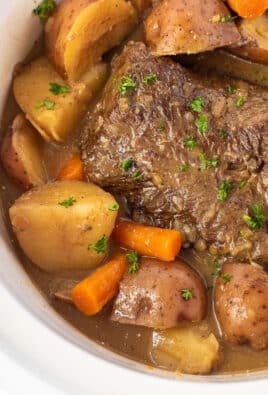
x: 72, y: 170
x: 164, y: 244
x: 92, y: 294
x: 249, y: 8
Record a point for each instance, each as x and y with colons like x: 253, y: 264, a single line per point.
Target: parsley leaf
x: 126, y: 85
x: 226, y: 277
x: 227, y: 18
x: 150, y: 78
x: 224, y: 133
x: 240, y: 101
x: 186, y: 294
x: 50, y: 105
x: 242, y: 184
x: 183, y: 167
x: 197, y: 104
x: 133, y: 259
x: 68, y: 202
x: 127, y: 164
x: 190, y: 143
x: 57, y: 89
x: 230, y: 90
x: 205, y: 163
x: 161, y: 126
x: 113, y: 207
x: 225, y: 188
x: 100, y: 246
x: 137, y: 175
x: 256, y: 221
x: 44, y: 9
x: 202, y: 124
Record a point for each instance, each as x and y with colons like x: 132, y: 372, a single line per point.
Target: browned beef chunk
x: 160, y: 295
x: 178, y: 166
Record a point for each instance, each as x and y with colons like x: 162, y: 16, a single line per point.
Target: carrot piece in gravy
x: 72, y: 170
x: 249, y: 8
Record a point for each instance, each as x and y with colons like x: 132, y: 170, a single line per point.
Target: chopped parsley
x: 230, y: 90
x: 50, y: 105
x: 126, y: 85
x: 183, y: 167
x: 148, y: 79
x: 100, y: 246
x: 186, y: 294
x: 227, y: 18
x: 243, y: 234
x: 161, y: 126
x: 202, y: 124
x: 127, y: 164
x: 240, y: 101
x: 133, y: 260
x: 190, y: 143
x: 58, y: 89
x: 197, y: 104
x: 224, y: 133
x: 113, y: 207
x: 242, y: 184
x: 255, y: 221
x: 44, y: 9
x: 205, y: 163
x: 137, y: 175
x: 226, y: 277
x: 68, y: 202
x: 224, y: 188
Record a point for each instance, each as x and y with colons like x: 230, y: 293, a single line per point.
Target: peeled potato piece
x: 56, y: 236
x: 188, y: 27
x: 189, y: 350
x: 32, y: 86
x: 255, y: 35
x: 81, y: 31
x: 21, y: 154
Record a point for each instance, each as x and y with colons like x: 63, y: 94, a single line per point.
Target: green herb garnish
x: 255, y: 221
x: 224, y: 188
x: 50, y: 105
x: 68, y: 202
x: 227, y: 18
x: 133, y: 259
x: 161, y: 126
x: 44, y: 9
x: 183, y: 167
x: 150, y: 78
x: 230, y: 90
x: 242, y: 184
x: 205, y: 163
x: 202, y: 124
x: 100, y: 247
x: 186, y: 294
x: 113, y: 207
x: 126, y: 85
x: 137, y: 175
x: 226, y: 277
x: 197, y: 104
x: 58, y: 89
x: 224, y: 133
x: 127, y: 164
x: 240, y: 101
x: 190, y: 143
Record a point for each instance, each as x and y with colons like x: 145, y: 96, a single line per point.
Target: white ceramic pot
x: 39, y: 351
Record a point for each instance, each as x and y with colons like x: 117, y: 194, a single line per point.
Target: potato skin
x: 32, y: 86
x: 81, y: 31
x: 55, y: 237
x: 152, y: 296
x: 241, y: 304
x: 188, y: 26
x: 21, y: 154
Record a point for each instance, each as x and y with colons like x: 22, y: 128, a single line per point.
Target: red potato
x: 241, y: 304
x: 188, y: 27
x: 153, y: 296
x: 21, y: 154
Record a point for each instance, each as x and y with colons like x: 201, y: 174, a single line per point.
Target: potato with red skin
x: 241, y: 304
x: 153, y: 296
x: 21, y: 154
x: 188, y: 27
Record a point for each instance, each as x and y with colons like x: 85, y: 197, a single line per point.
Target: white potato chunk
x: 56, y: 223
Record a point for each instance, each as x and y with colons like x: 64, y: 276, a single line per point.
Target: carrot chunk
x: 164, y: 244
x: 249, y: 8
x: 72, y: 170
x: 92, y: 294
